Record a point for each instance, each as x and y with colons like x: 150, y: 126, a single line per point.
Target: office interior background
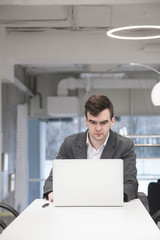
x: 53, y: 56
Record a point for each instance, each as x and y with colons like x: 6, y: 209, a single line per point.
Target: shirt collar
x: 88, y: 141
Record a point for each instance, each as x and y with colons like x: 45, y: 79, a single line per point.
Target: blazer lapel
x: 81, y: 147
x: 108, y: 151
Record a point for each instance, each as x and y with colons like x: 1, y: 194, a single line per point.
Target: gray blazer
x: 117, y: 147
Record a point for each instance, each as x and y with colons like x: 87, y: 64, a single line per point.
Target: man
x: 100, y: 142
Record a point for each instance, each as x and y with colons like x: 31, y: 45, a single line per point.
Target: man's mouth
x: 98, y: 134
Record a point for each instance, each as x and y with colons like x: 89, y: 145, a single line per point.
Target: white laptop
x: 88, y: 182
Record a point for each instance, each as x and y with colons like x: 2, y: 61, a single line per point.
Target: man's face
x: 99, y: 126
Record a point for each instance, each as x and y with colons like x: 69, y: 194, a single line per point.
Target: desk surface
x: 131, y: 221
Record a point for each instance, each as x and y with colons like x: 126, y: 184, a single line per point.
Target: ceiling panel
x: 40, y: 13
x: 93, y: 16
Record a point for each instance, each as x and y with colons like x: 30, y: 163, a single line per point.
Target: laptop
x: 88, y: 182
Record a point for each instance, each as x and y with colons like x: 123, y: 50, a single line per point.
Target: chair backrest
x: 154, y: 197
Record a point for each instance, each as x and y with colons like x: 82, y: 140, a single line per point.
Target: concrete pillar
x: 2, y: 62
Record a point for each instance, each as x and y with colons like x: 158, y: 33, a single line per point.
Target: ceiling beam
x: 73, y: 2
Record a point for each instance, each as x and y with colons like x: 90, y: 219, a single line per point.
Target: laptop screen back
x: 87, y: 182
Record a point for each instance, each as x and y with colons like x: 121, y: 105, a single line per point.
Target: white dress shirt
x: 92, y: 153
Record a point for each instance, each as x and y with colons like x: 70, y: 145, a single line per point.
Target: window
x: 145, y: 132
x: 53, y: 133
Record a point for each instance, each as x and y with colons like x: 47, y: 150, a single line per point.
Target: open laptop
x: 88, y: 182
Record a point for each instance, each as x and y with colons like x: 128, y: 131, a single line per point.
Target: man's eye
x: 92, y: 122
x: 104, y: 123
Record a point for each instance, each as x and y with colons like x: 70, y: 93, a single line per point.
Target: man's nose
x: 98, y: 127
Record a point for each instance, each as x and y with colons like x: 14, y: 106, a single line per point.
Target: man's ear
x: 112, y: 121
x: 86, y: 122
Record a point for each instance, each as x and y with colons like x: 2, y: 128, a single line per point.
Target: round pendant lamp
x: 155, y: 94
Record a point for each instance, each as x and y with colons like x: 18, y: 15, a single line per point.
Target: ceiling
x: 91, y: 16
x: 32, y: 17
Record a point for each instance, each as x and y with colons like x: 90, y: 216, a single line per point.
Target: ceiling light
x: 111, y: 32
x: 155, y: 93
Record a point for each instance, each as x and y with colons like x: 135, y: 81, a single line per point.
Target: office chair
x: 154, y: 200
x: 3, y: 224
x: 4, y: 206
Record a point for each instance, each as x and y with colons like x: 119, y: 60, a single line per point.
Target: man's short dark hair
x: 97, y: 103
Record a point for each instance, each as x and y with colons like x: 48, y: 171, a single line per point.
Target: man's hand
x: 50, y: 196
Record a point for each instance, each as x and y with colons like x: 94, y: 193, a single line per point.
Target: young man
x: 100, y: 142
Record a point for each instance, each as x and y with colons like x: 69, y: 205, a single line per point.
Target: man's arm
x: 48, y: 187
x: 130, y: 172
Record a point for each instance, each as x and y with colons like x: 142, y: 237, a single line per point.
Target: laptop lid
x: 88, y: 182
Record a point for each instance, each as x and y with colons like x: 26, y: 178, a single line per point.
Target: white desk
x: 131, y: 221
